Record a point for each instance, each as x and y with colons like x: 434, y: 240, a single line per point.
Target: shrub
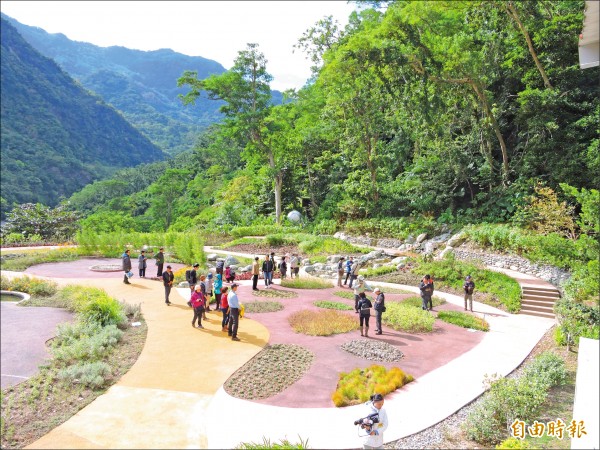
x: 320, y: 245
x: 464, y: 320
x: 407, y: 318
x: 131, y: 310
x: 262, y: 307
x: 332, y: 305
x: 514, y: 398
x: 96, y: 305
x: 417, y: 302
x: 261, y: 230
x: 375, y: 272
x: 325, y: 226
x: 358, y: 385
x: 92, y: 374
x: 514, y: 443
x: 87, y: 342
x: 322, y: 323
x: 306, y: 283
x: 577, y: 320
x: 29, y: 285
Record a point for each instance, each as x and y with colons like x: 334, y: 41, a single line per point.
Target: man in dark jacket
x: 267, y: 268
x: 469, y: 287
x: 426, y: 287
x: 160, y: 260
x: 168, y: 278
x: 126, y: 265
x: 379, y: 307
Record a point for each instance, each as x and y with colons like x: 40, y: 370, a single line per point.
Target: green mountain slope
x: 141, y: 84
x: 55, y: 136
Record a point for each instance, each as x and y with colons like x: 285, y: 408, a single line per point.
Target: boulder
x: 309, y: 269
x: 457, y: 240
x: 231, y: 260
x: 333, y: 258
x: 444, y: 252
x: 305, y: 262
x: 399, y: 260
x: 211, y: 257
x: 421, y: 237
x: 410, y: 239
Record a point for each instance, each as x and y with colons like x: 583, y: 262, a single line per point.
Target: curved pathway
x: 173, y: 396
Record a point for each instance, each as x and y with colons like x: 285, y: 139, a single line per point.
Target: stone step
x: 537, y: 308
x: 537, y: 302
x: 541, y: 291
x: 538, y: 314
x: 527, y: 296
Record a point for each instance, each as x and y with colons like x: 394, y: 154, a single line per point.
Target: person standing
x: 358, y: 289
x: 426, y: 288
x: 168, y: 278
x: 126, y: 265
x: 224, y: 306
x: 348, y: 269
x: 340, y: 271
x: 469, y: 287
x: 255, y: 273
x: 234, y: 313
x: 198, y: 301
x: 283, y: 268
x: 160, y: 261
x: 209, y: 290
x: 218, y: 285
x: 202, y: 282
x: 193, y: 279
x: 354, y: 273
x: 267, y: 269
x: 374, y: 436
x: 293, y: 265
x: 364, y: 307
x: 379, y: 307
x: 142, y: 264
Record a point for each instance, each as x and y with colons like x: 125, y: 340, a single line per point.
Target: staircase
x: 539, y: 301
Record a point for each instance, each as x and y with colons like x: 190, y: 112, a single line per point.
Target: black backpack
x: 188, y: 276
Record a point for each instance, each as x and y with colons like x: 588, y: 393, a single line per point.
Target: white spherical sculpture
x: 294, y: 216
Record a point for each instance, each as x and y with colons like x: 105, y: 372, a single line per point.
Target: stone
x: 305, y: 262
x: 444, y: 252
x: 399, y: 260
x: 457, y: 239
x: 211, y: 257
x: 230, y: 260
x: 400, y: 266
x: 421, y: 237
x: 309, y: 269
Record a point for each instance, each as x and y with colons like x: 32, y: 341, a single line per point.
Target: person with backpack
x: 294, y: 266
x: 224, y: 307
x: 219, y: 267
x: 469, y: 287
x: 354, y: 273
x: 348, y: 269
x: 218, y: 285
x: 229, y: 274
x: 283, y: 268
x: 364, y: 307
x: 340, y: 271
x: 426, y: 288
x: 126, y: 265
x: 191, y: 276
x: 379, y: 307
x: 359, y: 289
x: 198, y: 301
x: 142, y: 264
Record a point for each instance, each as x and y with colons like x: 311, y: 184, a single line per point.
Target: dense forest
x: 56, y: 136
x: 453, y: 112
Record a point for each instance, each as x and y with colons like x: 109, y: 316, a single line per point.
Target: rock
x: 211, y: 257
x: 442, y: 237
x: 231, y: 260
x: 399, y: 260
x: 400, y: 266
x: 375, y: 266
x: 333, y: 258
x: 410, y: 239
x: 514, y: 268
x: 309, y: 269
x: 305, y: 262
x: 457, y: 239
x: 499, y: 264
x: 421, y: 237
x: 444, y: 252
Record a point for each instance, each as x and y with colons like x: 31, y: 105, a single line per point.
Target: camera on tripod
x: 368, y: 422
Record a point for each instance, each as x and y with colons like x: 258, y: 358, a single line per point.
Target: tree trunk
x: 512, y: 12
x: 278, y: 185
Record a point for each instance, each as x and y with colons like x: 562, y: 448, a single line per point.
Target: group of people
x: 268, y: 268
x: 349, y: 268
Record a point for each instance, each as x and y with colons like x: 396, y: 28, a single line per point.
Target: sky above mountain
x: 215, y: 30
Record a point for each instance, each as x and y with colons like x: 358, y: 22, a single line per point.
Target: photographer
x: 374, y: 436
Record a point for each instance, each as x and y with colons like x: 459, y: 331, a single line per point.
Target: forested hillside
x: 56, y: 136
x: 453, y: 112
x: 140, y: 84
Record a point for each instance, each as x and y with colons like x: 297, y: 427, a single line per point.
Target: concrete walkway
x: 173, y: 396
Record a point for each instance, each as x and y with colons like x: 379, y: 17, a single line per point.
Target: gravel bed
x: 281, y: 364
x: 373, y: 350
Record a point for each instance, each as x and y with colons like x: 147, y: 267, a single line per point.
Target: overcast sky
x: 215, y: 30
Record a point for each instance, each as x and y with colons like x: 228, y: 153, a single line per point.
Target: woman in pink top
x: 198, y: 301
x: 224, y: 308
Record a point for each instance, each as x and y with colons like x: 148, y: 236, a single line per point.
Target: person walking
x: 354, y: 273
x: 348, y: 269
x: 364, y: 307
x: 426, y: 287
x: 379, y: 307
x: 193, y: 278
x: 218, y: 285
x: 160, y: 261
x: 198, y: 301
x: 294, y: 267
x: 267, y: 269
x: 358, y: 289
x: 168, y: 277
x: 126, y: 265
x: 374, y: 436
x: 209, y: 291
x: 202, y: 282
x: 234, y: 313
x: 255, y: 273
x: 142, y: 264
x: 224, y: 306
x: 469, y: 287
x: 283, y: 268
x: 340, y: 271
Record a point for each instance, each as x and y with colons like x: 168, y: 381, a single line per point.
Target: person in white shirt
x: 374, y: 433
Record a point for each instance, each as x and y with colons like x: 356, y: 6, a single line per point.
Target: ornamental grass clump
x: 417, y: 302
x: 306, y: 283
x: 464, y: 320
x: 93, y: 374
x: 322, y: 323
x: 262, y: 307
x: 402, y: 317
x: 358, y: 385
x: 29, y: 285
x: 332, y: 305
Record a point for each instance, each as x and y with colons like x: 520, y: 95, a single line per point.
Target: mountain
x: 56, y: 137
x: 141, y: 84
